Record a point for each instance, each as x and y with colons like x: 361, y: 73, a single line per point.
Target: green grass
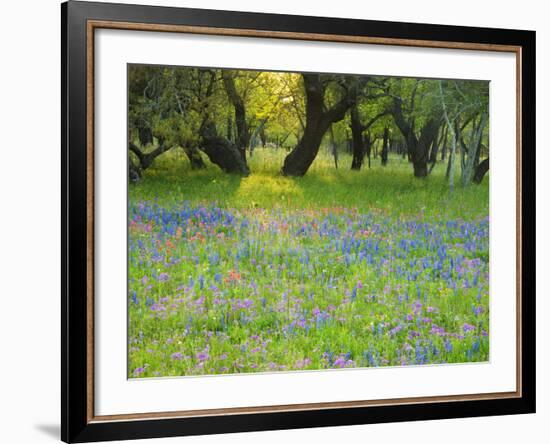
x: 391, y: 189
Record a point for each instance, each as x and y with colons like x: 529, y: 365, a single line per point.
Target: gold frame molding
x: 92, y: 25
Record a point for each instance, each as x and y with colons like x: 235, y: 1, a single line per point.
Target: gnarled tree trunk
x: 243, y: 134
x: 298, y: 161
x: 146, y: 159
x: 145, y: 135
x: 194, y: 157
x: 222, y: 152
x: 361, y: 146
x: 357, y: 147
x: 385, y: 147
x: 474, y: 149
x: 481, y: 170
x: 418, y: 148
x: 134, y: 173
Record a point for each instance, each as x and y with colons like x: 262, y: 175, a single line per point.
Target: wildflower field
x: 337, y: 269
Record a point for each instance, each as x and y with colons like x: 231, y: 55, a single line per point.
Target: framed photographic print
x: 276, y: 221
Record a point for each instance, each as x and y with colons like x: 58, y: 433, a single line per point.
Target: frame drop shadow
x: 51, y: 430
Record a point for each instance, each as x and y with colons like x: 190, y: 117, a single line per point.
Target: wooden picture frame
x: 79, y: 22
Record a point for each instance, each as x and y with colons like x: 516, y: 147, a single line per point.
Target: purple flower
x: 163, y: 277
x: 477, y: 310
x: 158, y: 307
x: 301, y: 363
x: 340, y: 363
x: 395, y: 330
x: 440, y: 331
x: 200, y: 301
x: 417, y: 307
x: 202, y: 356
x: 138, y: 371
x: 176, y: 356
x: 247, y: 303
x: 468, y: 327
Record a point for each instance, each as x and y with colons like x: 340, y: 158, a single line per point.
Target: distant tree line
x: 225, y: 114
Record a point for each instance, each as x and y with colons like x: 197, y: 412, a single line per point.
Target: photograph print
x: 298, y: 221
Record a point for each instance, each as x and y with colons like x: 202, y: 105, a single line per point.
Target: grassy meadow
x: 336, y: 269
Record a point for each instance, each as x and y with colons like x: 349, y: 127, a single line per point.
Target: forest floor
x: 336, y: 269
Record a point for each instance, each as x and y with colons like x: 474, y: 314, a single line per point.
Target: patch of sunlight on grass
x: 258, y: 189
x: 392, y: 190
